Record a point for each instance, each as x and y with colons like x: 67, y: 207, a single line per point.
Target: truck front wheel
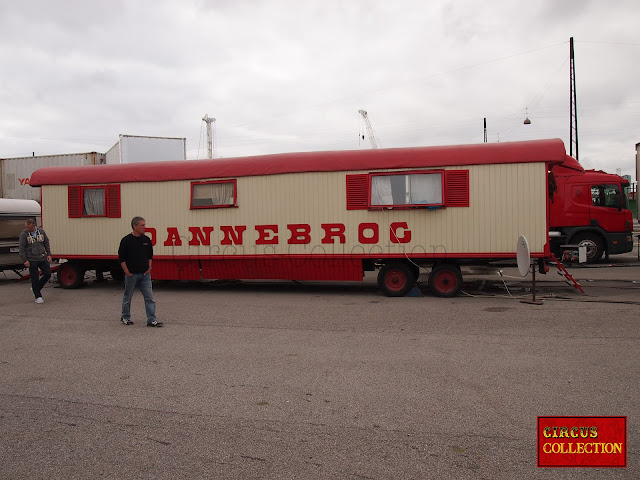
x: 70, y: 275
x: 594, y: 245
x: 445, y: 280
x: 396, y: 279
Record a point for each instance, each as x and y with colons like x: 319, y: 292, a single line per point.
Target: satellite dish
x: 523, y: 255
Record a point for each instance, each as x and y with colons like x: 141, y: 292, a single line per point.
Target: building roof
x: 549, y: 151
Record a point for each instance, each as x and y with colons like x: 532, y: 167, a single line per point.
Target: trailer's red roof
x: 549, y: 151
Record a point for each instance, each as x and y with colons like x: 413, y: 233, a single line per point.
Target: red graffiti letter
x: 152, y: 232
x: 232, y: 236
x: 173, y: 238
x: 394, y: 233
x: 368, y: 226
x: 263, y: 238
x: 198, y: 236
x: 299, y: 233
x: 333, y: 230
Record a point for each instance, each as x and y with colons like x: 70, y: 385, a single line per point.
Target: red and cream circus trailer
x: 308, y: 216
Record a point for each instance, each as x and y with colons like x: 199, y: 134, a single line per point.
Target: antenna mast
x: 208, y: 121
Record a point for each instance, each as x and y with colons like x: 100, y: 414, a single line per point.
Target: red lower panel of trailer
x: 292, y: 268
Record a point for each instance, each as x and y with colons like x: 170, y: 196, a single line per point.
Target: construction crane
x: 372, y: 137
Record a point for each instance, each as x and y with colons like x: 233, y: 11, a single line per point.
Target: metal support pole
x: 533, y: 300
x: 573, y: 113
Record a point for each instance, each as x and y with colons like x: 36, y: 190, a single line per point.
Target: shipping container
x: 309, y: 216
x: 137, y: 149
x: 16, y: 172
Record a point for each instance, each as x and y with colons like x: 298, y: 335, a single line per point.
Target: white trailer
x: 13, y: 213
x: 137, y: 149
x: 309, y: 216
x: 16, y: 172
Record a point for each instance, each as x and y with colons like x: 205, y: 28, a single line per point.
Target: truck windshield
x: 625, y: 199
x: 607, y: 196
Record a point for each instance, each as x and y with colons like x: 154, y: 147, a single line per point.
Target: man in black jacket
x: 35, y: 252
x: 136, y: 256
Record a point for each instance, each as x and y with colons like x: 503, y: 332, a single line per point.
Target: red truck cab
x: 589, y: 208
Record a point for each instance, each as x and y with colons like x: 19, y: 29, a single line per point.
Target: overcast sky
x: 291, y: 75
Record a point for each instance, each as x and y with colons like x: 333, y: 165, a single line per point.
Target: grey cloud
x: 291, y: 75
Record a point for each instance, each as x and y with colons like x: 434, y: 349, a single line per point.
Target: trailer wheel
x: 70, y: 275
x: 445, y: 280
x: 594, y: 244
x: 117, y: 274
x: 396, y: 279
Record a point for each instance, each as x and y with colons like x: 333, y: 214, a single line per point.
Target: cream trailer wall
x: 506, y: 200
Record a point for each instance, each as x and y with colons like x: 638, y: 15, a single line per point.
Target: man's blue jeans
x: 143, y: 282
x: 37, y: 283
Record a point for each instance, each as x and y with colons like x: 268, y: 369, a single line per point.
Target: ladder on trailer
x: 563, y: 271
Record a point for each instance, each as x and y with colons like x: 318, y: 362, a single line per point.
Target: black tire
x: 594, y: 244
x: 445, y: 280
x: 70, y: 275
x: 396, y: 279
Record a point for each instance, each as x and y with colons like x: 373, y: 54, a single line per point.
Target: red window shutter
x: 75, y: 201
x: 457, y: 188
x: 357, y: 191
x: 113, y: 201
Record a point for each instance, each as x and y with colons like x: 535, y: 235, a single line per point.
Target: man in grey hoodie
x: 35, y: 252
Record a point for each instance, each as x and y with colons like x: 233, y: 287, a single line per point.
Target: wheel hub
x: 395, y: 280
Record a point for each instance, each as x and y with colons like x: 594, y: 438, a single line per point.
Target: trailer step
x: 563, y: 271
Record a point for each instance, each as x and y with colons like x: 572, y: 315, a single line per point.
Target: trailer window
x: 419, y: 189
x: 93, y: 202
x: 214, y: 194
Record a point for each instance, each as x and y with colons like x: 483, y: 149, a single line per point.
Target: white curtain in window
x: 93, y: 201
x: 381, y: 190
x: 425, y: 188
x: 213, y: 194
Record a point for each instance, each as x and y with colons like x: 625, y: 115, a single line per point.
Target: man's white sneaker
x: 39, y: 300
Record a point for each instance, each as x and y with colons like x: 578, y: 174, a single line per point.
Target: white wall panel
x: 506, y: 201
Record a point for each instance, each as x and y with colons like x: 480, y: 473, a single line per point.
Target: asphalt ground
x: 287, y: 380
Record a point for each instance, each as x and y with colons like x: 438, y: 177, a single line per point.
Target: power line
x: 544, y: 89
x: 421, y: 79
x: 609, y: 43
